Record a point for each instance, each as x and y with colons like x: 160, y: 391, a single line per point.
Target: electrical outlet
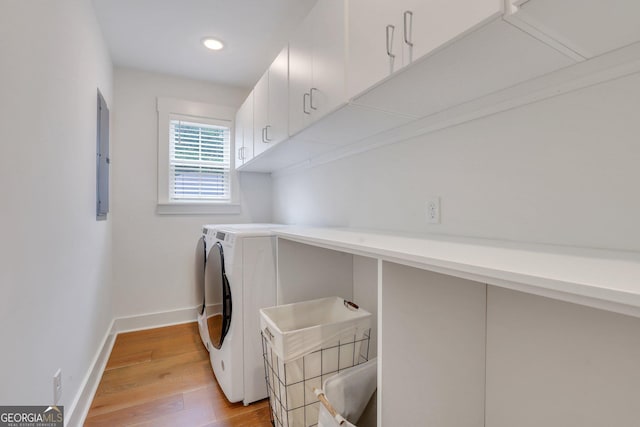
x: 57, y: 386
x: 433, y: 210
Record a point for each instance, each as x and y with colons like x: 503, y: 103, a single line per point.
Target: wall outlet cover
x: 433, y: 210
x: 57, y: 386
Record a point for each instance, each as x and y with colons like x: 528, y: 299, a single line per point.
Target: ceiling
x: 165, y: 36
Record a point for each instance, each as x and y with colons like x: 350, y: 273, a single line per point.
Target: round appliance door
x: 201, y: 261
x: 217, y: 296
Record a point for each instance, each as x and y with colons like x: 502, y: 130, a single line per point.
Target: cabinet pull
x: 266, y: 133
x: 263, y: 132
x: 311, y: 98
x: 304, y: 103
x: 390, y: 30
x: 408, y: 28
x: 240, y: 153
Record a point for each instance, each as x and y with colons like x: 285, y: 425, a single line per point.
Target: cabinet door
x: 244, y: 132
x: 248, y: 135
x: 260, y: 113
x: 300, y: 77
x: 278, y: 123
x: 371, y: 57
x: 428, y: 24
x: 239, y: 138
x: 328, y: 27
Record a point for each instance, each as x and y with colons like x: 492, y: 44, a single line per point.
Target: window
x: 199, y: 164
x: 196, y: 174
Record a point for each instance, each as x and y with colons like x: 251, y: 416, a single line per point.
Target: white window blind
x: 199, y: 161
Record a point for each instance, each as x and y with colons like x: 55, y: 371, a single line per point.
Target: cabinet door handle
x: 390, y: 30
x: 240, y: 153
x: 304, y: 103
x: 266, y: 133
x: 408, y: 28
x: 263, y: 131
x: 311, y: 98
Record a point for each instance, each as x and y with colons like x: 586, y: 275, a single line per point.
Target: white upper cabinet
x: 367, y: 72
x: 300, y: 78
x: 260, y: 113
x: 472, y: 55
x: 385, y: 36
x: 329, y: 52
x: 375, y: 51
x: 429, y: 24
x: 278, y: 129
x: 587, y: 27
x: 270, y: 123
x: 244, y: 132
x: 317, y: 65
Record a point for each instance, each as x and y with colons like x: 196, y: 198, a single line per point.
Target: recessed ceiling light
x: 213, y: 44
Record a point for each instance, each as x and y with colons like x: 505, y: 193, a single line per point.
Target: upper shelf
x: 586, y: 28
x: 608, y: 280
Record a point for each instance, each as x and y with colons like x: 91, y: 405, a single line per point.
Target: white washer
x: 239, y: 278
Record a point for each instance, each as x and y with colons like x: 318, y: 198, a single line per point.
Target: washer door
x: 217, y: 296
x: 201, y: 264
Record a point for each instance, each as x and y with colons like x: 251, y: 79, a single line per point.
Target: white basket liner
x: 349, y: 393
x: 294, y: 330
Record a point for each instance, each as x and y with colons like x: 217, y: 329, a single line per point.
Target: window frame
x: 168, y: 109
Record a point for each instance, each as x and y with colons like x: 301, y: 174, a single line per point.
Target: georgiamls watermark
x: 31, y: 416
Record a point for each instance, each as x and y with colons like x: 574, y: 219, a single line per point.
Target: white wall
x: 55, y: 262
x: 561, y: 171
x: 154, y: 255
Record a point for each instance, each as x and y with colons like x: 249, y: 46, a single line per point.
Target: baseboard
x: 155, y: 320
x: 77, y: 412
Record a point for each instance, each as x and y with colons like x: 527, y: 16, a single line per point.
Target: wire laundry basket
x: 291, y: 380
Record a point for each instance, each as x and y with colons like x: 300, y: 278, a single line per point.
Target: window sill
x: 197, y: 208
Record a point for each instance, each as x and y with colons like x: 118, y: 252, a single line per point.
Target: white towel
x: 349, y: 392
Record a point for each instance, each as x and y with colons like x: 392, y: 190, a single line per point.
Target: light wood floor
x: 162, y: 377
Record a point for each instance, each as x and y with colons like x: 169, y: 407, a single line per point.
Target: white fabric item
x: 349, y: 392
x: 326, y: 420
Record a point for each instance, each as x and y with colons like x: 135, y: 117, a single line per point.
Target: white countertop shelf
x: 608, y: 280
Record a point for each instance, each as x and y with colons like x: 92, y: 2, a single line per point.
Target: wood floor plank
x: 198, y: 410
x: 214, y: 396
x: 182, y: 339
x: 137, y: 413
x: 128, y: 359
x: 162, y: 377
x: 140, y: 384
x: 171, y: 368
x: 255, y: 418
